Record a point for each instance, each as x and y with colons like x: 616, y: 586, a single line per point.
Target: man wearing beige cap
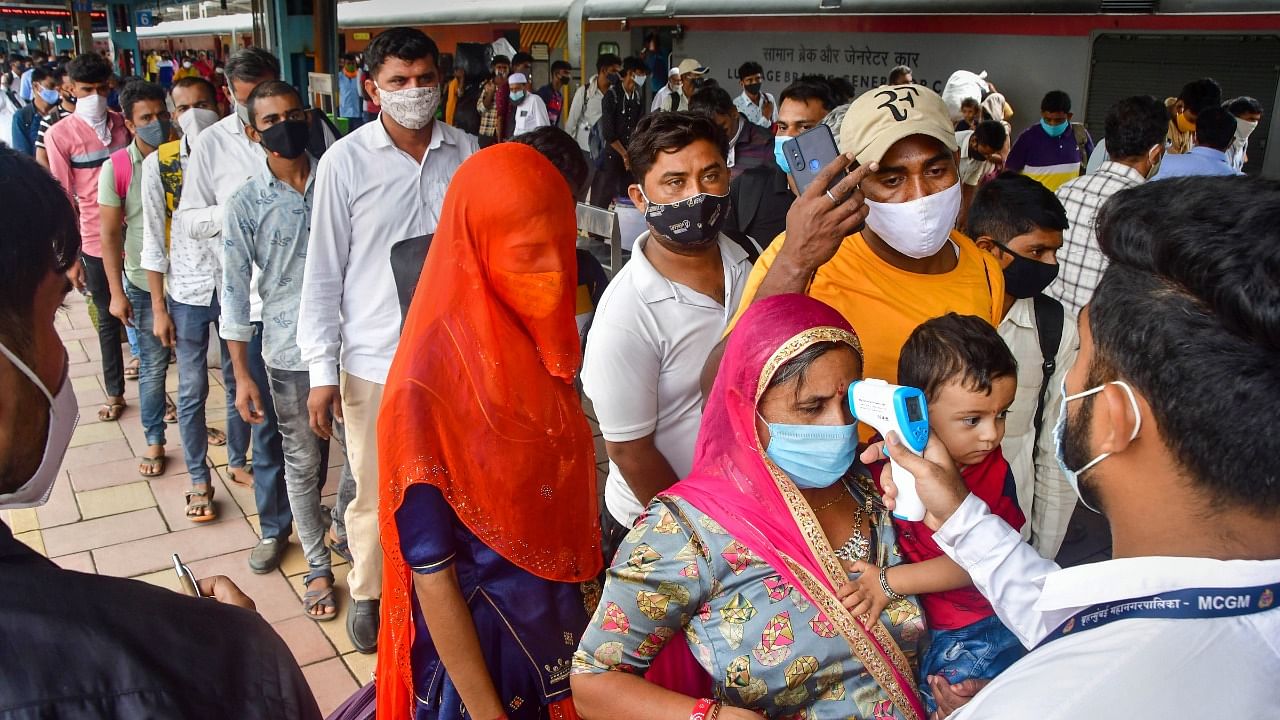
x: 690, y: 70
x: 907, y: 263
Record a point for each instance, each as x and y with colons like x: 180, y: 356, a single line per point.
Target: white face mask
x: 1060, y: 434
x: 410, y: 108
x: 92, y: 107
x: 196, y: 120
x: 1245, y: 128
x: 918, y: 228
x: 63, y: 416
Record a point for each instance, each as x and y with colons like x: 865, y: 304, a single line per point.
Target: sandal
x: 200, y: 501
x: 217, y: 438
x: 339, y: 546
x: 131, y: 370
x: 170, y: 411
x: 149, y: 467
x: 322, y: 599
x: 111, y: 410
x: 242, y: 476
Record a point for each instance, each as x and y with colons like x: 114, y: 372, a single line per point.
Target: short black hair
x: 563, y: 151
x: 59, y: 73
x: 607, y: 60
x: 136, y: 91
x: 251, y: 64
x: 970, y: 102
x: 271, y: 88
x: 1134, y: 125
x: 898, y: 75
x: 196, y: 81
x: 89, y: 68
x: 41, y: 236
x: 990, y: 133
x: 349, y: 56
x: 749, y: 68
x: 1011, y: 205
x: 403, y: 43
x: 1056, y: 101
x: 1194, y: 326
x: 669, y: 132
x: 713, y: 101
x: 1243, y: 104
x: 954, y: 346
x: 632, y: 64
x: 1215, y: 128
x: 500, y: 60
x: 802, y: 91
x: 521, y: 58
x: 559, y: 65
x: 842, y: 90
x: 39, y: 74
x: 1200, y: 94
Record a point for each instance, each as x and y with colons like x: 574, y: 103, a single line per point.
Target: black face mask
x: 1025, y: 277
x: 287, y: 139
x: 693, y: 222
x: 614, y: 78
x: 753, y: 88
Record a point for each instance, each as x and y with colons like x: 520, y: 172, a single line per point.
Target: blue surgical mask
x: 813, y: 456
x: 517, y: 96
x: 1054, y: 130
x: 1060, y: 434
x: 778, y: 155
x: 51, y: 97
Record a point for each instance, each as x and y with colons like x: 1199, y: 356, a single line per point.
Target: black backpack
x: 1049, y: 319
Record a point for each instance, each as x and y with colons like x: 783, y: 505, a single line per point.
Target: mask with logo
x: 155, y: 134
x: 92, y: 107
x: 52, y: 97
x: 194, y: 121
x: 1024, y: 277
x: 518, y: 96
x: 813, y: 456
x: 1060, y: 434
x: 753, y: 88
x: 918, y: 228
x: 63, y: 416
x: 778, y: 156
x: 1245, y: 128
x: 696, y: 220
x: 1184, y: 125
x: 1054, y: 130
x: 410, y: 108
x: 287, y: 139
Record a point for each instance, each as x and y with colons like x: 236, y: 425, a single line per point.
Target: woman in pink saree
x: 743, y: 560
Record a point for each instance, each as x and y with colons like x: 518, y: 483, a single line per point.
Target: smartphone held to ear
x: 808, y: 153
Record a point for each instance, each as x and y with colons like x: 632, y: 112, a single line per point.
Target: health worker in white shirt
x: 1169, y: 429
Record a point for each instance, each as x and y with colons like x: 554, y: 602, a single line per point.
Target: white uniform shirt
x: 1046, y: 499
x: 369, y: 195
x: 1132, y: 668
x: 531, y: 114
x: 645, y: 352
x: 222, y: 158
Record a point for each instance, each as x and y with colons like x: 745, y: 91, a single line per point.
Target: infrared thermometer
x: 903, y: 410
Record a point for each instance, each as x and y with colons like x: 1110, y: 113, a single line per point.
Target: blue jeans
x: 191, y: 323
x: 153, y: 361
x: 980, y: 650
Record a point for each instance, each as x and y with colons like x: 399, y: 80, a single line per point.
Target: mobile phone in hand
x: 808, y: 153
x: 186, y: 578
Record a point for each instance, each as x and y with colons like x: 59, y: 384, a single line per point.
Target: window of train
x: 1124, y: 65
x: 609, y: 47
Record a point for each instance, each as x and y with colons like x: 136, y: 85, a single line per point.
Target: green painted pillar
x: 123, y: 34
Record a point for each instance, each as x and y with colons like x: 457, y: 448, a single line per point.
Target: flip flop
x: 204, y: 503
x: 339, y: 547
x: 131, y: 370
x: 170, y: 411
x: 217, y: 438
x: 110, y: 411
x: 154, y: 466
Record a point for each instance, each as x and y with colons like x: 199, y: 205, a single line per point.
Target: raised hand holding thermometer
x: 903, y: 410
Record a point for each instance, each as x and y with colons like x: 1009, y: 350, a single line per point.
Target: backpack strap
x: 122, y: 170
x: 1050, y: 317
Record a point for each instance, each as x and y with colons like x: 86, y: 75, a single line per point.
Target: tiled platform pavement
x: 105, y: 518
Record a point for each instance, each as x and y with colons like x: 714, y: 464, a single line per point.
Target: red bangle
x: 702, y: 709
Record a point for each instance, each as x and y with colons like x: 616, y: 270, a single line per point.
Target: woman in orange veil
x: 488, y: 510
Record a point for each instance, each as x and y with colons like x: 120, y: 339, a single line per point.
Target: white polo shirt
x: 1132, y: 668
x: 645, y: 352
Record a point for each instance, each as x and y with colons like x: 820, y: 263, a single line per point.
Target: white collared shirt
x: 369, y: 195
x: 755, y: 110
x: 192, y: 266
x: 648, y: 342
x: 222, y: 158
x: 1132, y: 668
x: 1046, y: 499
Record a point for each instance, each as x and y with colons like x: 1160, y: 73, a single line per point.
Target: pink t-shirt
x: 76, y: 156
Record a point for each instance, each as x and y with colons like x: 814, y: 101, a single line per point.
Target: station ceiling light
x: 829, y: 4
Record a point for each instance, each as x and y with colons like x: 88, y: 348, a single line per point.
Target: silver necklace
x: 858, y: 546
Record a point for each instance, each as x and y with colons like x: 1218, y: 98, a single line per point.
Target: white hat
x: 517, y: 78
x: 673, y: 72
x: 689, y: 66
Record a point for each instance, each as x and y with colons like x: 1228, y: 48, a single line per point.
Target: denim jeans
x: 346, y: 485
x: 153, y: 361
x: 131, y: 331
x: 979, y: 650
x: 304, y: 470
x: 95, y: 280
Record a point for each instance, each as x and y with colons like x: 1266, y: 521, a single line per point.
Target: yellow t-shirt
x: 885, y: 304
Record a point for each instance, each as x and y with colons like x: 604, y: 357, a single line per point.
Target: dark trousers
x: 95, y: 279
x: 610, y: 181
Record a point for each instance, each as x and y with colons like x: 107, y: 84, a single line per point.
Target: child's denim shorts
x: 980, y: 650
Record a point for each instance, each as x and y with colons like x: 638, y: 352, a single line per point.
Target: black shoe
x: 266, y: 555
x: 362, y: 625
